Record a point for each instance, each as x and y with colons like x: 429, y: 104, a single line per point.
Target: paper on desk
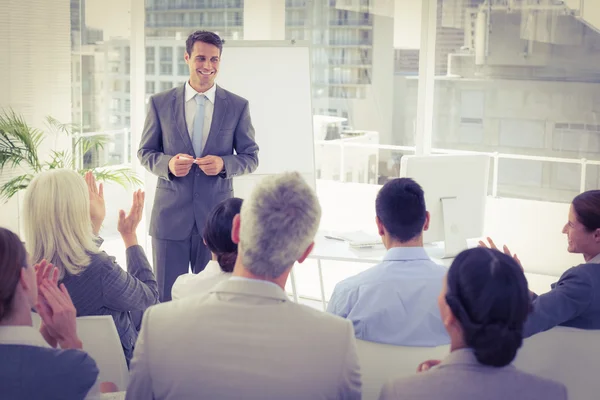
x: 358, y: 238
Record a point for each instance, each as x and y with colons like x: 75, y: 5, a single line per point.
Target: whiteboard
x: 274, y: 76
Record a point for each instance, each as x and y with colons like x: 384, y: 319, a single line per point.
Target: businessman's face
x: 203, y: 64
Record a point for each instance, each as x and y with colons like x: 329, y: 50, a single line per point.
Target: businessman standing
x: 189, y: 139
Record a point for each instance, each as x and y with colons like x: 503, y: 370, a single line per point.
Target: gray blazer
x: 103, y: 288
x: 461, y: 377
x: 196, y: 194
x: 574, y: 301
x: 32, y: 373
x: 243, y: 340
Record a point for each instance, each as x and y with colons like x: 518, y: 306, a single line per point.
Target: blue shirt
x: 395, y: 302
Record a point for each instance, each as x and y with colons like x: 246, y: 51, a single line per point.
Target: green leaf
x: 18, y: 141
x: 122, y: 176
x: 10, y: 188
x: 19, y: 145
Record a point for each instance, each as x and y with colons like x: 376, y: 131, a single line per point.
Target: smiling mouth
x: 206, y: 73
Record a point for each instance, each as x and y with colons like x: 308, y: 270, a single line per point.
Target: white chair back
x: 101, y: 341
x: 566, y: 355
x: 380, y: 363
x: 37, y: 320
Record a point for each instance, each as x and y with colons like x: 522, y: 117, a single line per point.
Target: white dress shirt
x: 193, y: 284
x: 24, y: 335
x: 190, y: 110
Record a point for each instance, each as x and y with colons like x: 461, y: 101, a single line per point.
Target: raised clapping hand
x: 427, y: 365
x: 97, y: 206
x: 56, y: 309
x: 181, y: 164
x: 505, y: 248
x: 128, y: 224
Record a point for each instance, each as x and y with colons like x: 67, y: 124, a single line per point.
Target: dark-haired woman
x: 484, y: 304
x: 574, y: 300
x: 31, y: 365
x: 217, y: 237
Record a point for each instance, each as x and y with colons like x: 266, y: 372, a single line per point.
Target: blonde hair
x: 58, y: 227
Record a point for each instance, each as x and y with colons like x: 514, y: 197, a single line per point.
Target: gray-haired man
x: 245, y: 339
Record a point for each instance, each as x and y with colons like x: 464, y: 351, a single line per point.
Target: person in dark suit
x: 484, y: 304
x: 58, y: 206
x: 31, y: 367
x: 189, y: 139
x: 574, y: 300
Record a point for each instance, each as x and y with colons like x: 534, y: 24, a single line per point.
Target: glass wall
x: 522, y: 80
x: 101, y: 94
x: 100, y: 78
x: 356, y: 78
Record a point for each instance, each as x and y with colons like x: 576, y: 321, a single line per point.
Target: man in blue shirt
x: 395, y: 302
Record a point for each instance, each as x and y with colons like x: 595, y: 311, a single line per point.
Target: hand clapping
x: 97, y: 206
x: 128, y: 224
x: 505, y: 248
x: 56, y: 309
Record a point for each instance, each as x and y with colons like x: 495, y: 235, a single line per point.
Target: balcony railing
x: 351, y: 22
x: 197, y: 5
x: 193, y: 24
x: 295, y: 3
x: 496, y: 157
x: 350, y: 42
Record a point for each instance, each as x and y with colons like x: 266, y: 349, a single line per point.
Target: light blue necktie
x: 198, y: 124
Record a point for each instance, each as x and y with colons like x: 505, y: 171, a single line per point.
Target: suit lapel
x: 219, y: 111
x: 178, y: 108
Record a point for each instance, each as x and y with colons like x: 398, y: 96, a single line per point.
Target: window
x: 150, y: 63
x: 150, y: 89
x: 127, y: 57
x: 182, y: 67
x: 166, y: 60
x: 166, y: 86
x: 528, y: 99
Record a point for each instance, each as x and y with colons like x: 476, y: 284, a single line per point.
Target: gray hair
x: 278, y: 222
x: 58, y: 228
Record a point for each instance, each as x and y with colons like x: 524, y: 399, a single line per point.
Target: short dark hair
x: 13, y: 257
x: 400, y: 206
x: 487, y: 293
x: 217, y: 232
x: 205, y: 37
x: 587, y: 208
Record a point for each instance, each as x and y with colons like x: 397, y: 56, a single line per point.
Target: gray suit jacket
x: 32, y: 373
x: 166, y: 134
x: 461, y: 377
x: 574, y: 301
x: 103, y: 288
x: 244, y: 340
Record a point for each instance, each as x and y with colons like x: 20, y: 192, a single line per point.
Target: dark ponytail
x: 487, y: 293
x: 13, y: 257
x: 217, y: 232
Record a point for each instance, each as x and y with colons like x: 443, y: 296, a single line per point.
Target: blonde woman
x: 63, y: 214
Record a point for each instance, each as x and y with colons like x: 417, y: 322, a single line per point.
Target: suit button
x: 196, y: 194
x: 197, y: 173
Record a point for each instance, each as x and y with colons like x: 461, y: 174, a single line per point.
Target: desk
x: 336, y: 250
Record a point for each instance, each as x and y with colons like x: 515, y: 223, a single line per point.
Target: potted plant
x: 19, y: 145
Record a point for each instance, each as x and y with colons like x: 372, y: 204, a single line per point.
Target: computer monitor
x: 455, y: 194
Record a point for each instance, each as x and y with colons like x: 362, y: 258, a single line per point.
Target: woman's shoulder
x: 589, y: 272
x: 100, y: 262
